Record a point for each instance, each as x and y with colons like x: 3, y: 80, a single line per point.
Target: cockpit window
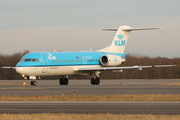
x: 22, y: 60
x: 35, y: 60
x: 27, y: 60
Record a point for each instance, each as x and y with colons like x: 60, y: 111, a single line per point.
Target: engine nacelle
x: 111, y: 60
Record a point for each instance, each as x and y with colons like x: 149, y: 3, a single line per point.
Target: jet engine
x: 111, y: 60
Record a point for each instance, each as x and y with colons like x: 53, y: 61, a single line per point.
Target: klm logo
x: 51, y: 57
x: 119, y: 42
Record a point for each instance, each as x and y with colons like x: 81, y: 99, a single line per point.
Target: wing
x: 122, y: 68
x: 9, y: 67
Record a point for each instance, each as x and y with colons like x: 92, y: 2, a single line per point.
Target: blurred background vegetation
x: 131, y: 60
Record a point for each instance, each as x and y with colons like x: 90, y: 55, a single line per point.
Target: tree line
x: 131, y: 60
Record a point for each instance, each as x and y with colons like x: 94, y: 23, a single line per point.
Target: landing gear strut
x: 95, y: 81
x: 33, y: 82
x: 63, y: 81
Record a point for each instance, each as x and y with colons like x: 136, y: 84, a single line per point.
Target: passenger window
x: 27, y: 60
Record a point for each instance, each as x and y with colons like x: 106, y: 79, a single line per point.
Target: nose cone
x: 20, y: 70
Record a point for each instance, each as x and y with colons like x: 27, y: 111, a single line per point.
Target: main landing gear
x: 95, y: 81
x: 63, y: 81
x: 33, y: 82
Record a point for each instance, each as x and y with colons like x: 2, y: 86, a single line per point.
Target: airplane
x: 37, y: 64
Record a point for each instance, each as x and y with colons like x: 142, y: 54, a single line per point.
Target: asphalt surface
x: 90, y: 107
x: 83, y: 87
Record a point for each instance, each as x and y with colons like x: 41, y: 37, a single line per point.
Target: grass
x: 8, y: 84
x: 63, y: 116
x: 93, y: 98
x: 170, y: 84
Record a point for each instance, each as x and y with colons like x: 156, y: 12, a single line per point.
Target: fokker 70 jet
x: 38, y: 64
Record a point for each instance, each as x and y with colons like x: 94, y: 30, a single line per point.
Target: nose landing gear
x: 33, y: 82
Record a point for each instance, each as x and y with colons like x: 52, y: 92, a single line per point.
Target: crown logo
x: 115, y: 60
x: 120, y: 36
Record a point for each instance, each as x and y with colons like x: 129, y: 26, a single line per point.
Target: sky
x: 66, y: 25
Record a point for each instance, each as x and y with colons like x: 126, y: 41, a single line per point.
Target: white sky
x: 76, y: 25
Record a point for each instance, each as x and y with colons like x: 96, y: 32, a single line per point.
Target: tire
x: 31, y: 83
x: 97, y: 81
x: 61, y: 81
x: 65, y: 81
x: 35, y: 82
x: 92, y: 81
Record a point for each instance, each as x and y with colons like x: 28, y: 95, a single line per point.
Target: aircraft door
x: 84, y: 60
x: 45, y: 63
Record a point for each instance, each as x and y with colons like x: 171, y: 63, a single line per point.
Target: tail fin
x: 120, y: 40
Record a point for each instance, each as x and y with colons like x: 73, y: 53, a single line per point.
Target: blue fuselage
x: 63, y: 59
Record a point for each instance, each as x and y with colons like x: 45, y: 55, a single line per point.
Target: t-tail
x: 120, y: 40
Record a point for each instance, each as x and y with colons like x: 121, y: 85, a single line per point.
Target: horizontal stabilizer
x: 133, y: 29
x: 110, y: 29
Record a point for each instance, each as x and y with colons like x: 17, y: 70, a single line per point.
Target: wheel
x: 97, y: 81
x: 65, y: 81
x: 33, y: 82
x: 92, y: 81
x: 61, y: 81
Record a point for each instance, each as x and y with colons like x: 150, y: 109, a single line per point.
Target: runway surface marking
x: 91, y: 107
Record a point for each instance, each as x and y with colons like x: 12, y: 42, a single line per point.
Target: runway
x: 83, y: 87
x: 91, y: 107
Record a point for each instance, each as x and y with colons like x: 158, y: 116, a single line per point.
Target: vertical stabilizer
x: 120, y: 40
